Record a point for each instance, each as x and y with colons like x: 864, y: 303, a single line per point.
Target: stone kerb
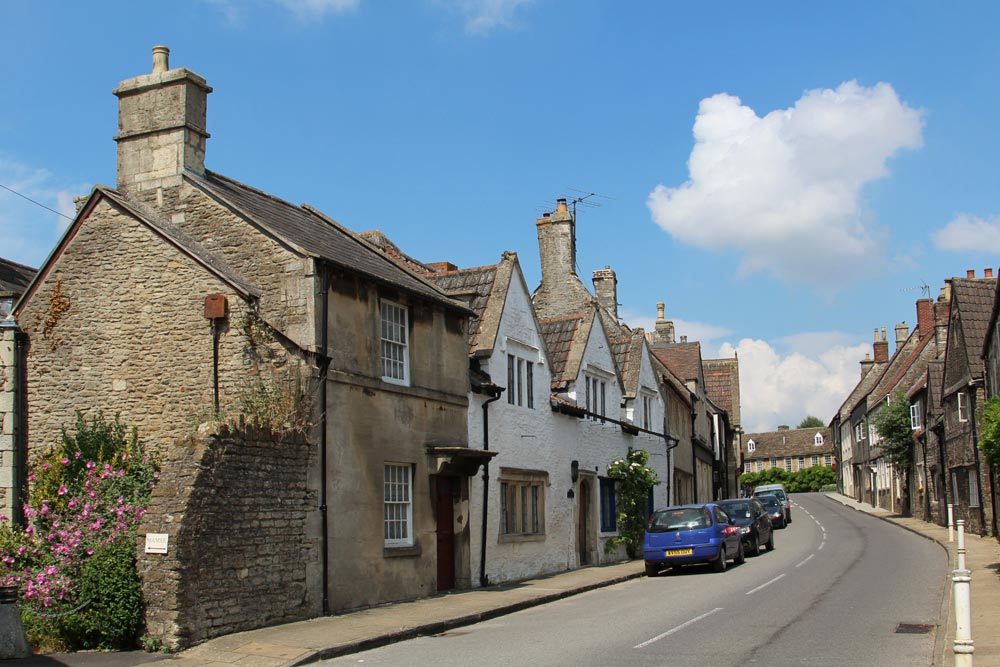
x: 234, y: 507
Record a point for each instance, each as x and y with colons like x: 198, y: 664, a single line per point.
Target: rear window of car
x: 682, y: 518
x: 737, y: 510
x: 769, y: 501
x: 772, y: 492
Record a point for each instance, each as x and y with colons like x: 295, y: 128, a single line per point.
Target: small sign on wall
x: 156, y: 543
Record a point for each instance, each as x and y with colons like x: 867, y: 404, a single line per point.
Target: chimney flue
x: 161, y: 59
x: 970, y: 273
x: 988, y: 272
x: 561, y: 205
x: 660, y: 308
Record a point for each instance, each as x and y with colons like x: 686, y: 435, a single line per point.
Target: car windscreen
x: 739, y: 510
x: 680, y: 518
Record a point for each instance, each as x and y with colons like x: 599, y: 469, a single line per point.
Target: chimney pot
x: 988, y: 272
x: 660, y: 307
x: 161, y: 59
x: 561, y: 205
x: 970, y: 273
x: 684, y: 339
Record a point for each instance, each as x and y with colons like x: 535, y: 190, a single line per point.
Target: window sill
x: 514, y: 539
x: 401, y: 551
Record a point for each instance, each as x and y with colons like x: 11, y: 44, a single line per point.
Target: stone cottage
x: 182, y: 295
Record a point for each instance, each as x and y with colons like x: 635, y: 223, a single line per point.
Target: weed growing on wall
x: 989, y: 438
x: 74, y: 562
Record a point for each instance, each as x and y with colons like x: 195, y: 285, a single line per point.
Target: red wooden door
x: 444, y: 511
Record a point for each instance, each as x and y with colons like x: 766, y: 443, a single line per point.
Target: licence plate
x: 678, y: 552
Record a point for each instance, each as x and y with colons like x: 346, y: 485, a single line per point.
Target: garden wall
x: 236, y: 508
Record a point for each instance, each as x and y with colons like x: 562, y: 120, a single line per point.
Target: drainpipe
x: 694, y: 447
x: 324, y: 375
x: 486, y: 486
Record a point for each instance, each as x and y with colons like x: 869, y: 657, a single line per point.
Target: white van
x: 779, y: 491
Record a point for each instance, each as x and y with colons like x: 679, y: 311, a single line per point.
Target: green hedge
x: 810, y: 479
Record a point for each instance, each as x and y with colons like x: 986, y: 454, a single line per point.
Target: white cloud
x: 778, y: 388
x: 483, y: 16
x: 28, y: 232
x: 969, y: 233
x: 307, y: 9
x: 702, y: 332
x: 784, y: 190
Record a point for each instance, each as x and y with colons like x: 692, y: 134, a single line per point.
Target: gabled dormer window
x: 818, y: 440
x: 751, y: 446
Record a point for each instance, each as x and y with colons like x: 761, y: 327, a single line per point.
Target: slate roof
x: 683, y: 359
x: 901, y: 367
x: 974, y: 297
x: 722, y: 385
x: 559, y: 334
x: 309, y: 232
x: 14, y: 277
x: 472, y: 286
x: 791, y: 442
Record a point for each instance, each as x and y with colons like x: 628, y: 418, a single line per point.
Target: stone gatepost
x: 9, y: 383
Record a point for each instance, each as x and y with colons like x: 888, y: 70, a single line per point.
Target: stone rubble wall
x: 7, y: 406
x: 236, y: 508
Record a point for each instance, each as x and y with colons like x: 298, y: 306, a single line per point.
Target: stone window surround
x: 535, y: 482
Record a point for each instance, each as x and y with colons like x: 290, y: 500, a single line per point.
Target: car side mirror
x: 732, y: 522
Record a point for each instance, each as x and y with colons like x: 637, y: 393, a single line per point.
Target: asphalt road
x: 833, y: 592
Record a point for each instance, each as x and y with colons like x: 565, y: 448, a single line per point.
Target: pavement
x: 300, y: 643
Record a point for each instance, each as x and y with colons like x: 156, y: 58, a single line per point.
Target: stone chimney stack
x: 557, y: 245
x: 664, y: 329
x: 942, y: 316
x: 866, y: 364
x: 606, y: 290
x: 161, y: 126
x: 902, y: 333
x: 881, y: 347
x: 925, y: 317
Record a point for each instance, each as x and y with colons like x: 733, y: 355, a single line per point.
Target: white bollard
x: 960, y: 563
x: 963, y: 646
x: 951, y: 522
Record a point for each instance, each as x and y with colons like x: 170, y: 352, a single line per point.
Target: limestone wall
x: 8, y: 392
x: 236, y: 508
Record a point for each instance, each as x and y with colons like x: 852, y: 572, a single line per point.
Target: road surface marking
x: 679, y: 627
x: 765, y: 584
x: 808, y: 558
x: 821, y: 545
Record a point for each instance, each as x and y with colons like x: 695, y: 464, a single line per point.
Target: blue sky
x: 785, y: 177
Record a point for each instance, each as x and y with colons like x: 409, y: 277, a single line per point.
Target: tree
x: 811, y: 422
x: 989, y: 437
x: 892, y: 423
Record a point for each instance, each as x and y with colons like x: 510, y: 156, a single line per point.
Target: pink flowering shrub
x: 81, y: 504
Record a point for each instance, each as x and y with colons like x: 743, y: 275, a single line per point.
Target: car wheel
x: 770, y: 542
x: 719, y: 564
x: 741, y: 557
x: 652, y: 570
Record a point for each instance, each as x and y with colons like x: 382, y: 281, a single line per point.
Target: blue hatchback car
x: 691, y: 534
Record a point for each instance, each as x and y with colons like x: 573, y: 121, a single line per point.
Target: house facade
x: 203, y: 296
x: 788, y: 449
x: 963, y: 390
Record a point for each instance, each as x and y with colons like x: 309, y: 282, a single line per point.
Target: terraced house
x: 201, y: 296
x: 791, y: 449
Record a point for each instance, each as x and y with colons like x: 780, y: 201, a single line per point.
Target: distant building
x: 788, y: 449
x: 14, y: 279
